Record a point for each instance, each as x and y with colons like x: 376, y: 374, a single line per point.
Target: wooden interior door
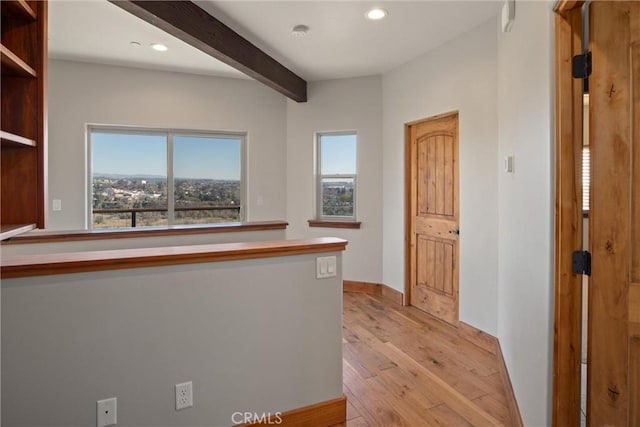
x: 613, y: 391
x: 432, y: 219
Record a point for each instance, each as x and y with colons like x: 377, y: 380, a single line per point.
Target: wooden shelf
x: 18, y: 9
x: 23, y: 134
x: 10, y: 230
x: 13, y: 65
x: 12, y: 140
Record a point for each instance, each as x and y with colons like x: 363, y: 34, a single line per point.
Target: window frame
x: 170, y: 134
x: 319, y: 178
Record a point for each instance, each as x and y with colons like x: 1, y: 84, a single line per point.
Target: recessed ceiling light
x: 159, y: 47
x: 376, y: 13
x: 300, y: 30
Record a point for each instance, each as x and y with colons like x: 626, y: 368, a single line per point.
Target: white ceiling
x: 341, y: 41
x: 97, y: 31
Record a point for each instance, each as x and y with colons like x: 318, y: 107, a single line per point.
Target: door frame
x: 408, y: 179
x: 568, y: 216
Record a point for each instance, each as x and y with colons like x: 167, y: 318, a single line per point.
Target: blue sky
x: 338, y: 154
x: 129, y: 154
x: 197, y: 157
x: 209, y: 158
x: 194, y: 157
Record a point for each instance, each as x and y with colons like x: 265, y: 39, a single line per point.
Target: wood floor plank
x: 447, y: 359
x: 402, y: 382
x: 450, y: 395
x: 392, y: 323
x: 372, y: 361
x: 357, y: 422
x: 410, y: 410
x: 495, y: 408
x: 374, y: 407
x: 449, y: 417
x: 402, y: 367
x: 352, y: 412
x: 355, y: 401
x: 355, y: 362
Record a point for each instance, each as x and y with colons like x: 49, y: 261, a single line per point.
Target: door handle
x: 454, y: 231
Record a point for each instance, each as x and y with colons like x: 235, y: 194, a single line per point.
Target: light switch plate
x: 326, y: 267
x: 508, y: 164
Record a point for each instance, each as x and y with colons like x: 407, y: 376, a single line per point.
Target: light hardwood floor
x: 404, y: 368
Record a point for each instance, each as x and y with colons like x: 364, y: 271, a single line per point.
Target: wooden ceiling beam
x: 193, y: 25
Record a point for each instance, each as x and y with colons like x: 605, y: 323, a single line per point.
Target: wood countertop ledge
x: 79, y: 262
x: 174, y: 230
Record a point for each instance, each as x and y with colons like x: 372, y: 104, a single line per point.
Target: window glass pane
x: 338, y: 154
x: 129, y: 172
x: 586, y: 178
x: 207, y: 173
x: 337, y: 196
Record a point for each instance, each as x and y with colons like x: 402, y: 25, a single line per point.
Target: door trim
x: 407, y: 201
x: 568, y: 217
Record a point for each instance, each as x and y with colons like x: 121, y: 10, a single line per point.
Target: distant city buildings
x: 150, y: 194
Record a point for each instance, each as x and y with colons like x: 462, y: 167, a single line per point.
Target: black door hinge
x: 581, y: 261
x: 581, y: 66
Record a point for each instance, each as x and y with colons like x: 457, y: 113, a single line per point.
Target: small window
x: 143, y: 178
x: 586, y: 179
x: 337, y: 176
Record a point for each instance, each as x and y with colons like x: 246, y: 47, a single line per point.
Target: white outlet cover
x: 107, y: 412
x: 184, y: 395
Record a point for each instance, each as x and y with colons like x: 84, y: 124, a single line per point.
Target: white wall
x: 253, y: 335
x: 525, y: 325
x: 460, y: 75
x: 345, y: 104
x: 82, y: 93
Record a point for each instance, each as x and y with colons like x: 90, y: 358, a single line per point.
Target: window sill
x: 333, y: 224
x: 115, y: 233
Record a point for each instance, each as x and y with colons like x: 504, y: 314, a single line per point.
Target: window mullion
x: 170, y: 181
x: 319, y: 177
x: 89, y: 188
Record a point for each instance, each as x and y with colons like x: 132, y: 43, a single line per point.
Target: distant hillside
x: 123, y: 176
x: 154, y: 177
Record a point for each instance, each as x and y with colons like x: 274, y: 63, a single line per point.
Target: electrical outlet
x: 107, y: 412
x: 184, y: 395
x: 57, y: 204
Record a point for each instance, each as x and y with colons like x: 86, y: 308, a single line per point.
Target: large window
x: 336, y: 187
x: 144, y: 178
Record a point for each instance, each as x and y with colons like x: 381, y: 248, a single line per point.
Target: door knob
x: 454, y: 231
